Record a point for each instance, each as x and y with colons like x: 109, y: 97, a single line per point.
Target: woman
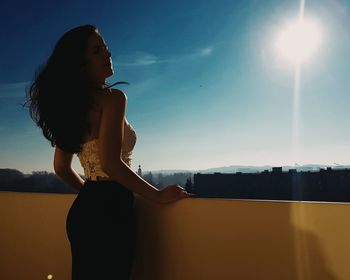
x: 79, y: 114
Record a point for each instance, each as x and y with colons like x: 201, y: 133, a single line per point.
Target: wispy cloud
x: 206, y: 51
x: 145, y: 60
x: 142, y: 59
x: 13, y: 90
x: 13, y: 86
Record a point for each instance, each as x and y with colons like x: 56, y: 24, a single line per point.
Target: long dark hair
x: 59, y: 94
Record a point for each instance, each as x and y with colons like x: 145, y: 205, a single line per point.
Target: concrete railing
x: 195, y: 238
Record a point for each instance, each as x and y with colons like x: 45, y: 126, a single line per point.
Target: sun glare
x: 298, y: 41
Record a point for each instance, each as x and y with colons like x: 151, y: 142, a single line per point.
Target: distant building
x: 277, y: 169
x: 323, y: 185
x: 139, y: 171
x: 189, y: 186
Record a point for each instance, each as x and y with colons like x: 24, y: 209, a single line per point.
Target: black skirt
x: 101, y: 228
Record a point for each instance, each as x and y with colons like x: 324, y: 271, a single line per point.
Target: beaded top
x: 89, y: 158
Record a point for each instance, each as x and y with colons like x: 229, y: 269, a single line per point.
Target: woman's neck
x: 97, y: 85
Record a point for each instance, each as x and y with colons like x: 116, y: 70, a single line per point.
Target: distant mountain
x: 8, y: 175
x: 13, y: 173
x: 248, y: 168
x: 168, y: 171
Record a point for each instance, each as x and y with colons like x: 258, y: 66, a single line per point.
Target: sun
x: 298, y: 40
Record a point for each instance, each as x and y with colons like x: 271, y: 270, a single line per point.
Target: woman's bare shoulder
x: 114, y: 95
x: 115, y: 91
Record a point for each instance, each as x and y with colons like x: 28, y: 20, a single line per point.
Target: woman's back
x: 89, y: 156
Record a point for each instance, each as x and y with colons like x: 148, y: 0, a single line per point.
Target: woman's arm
x: 62, y: 166
x: 71, y: 178
x: 110, y: 147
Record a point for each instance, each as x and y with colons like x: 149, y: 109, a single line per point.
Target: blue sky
x: 207, y: 89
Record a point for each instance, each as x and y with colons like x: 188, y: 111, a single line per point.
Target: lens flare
x: 299, y: 40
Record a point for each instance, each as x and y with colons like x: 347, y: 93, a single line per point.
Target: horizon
x: 310, y: 165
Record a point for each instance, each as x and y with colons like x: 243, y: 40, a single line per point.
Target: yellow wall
x: 195, y: 238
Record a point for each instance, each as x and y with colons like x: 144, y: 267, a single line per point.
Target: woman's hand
x: 172, y: 193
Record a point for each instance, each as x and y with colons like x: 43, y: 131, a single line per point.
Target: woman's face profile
x: 98, y: 59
